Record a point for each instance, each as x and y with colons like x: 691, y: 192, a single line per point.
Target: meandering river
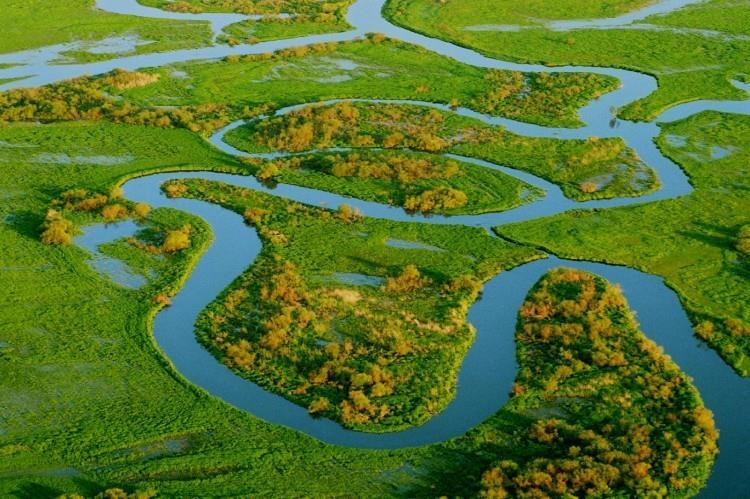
x: 490, y: 366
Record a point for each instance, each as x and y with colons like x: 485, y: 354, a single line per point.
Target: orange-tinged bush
x: 176, y: 240
x: 115, y: 212
x: 408, y: 281
x: 56, y: 230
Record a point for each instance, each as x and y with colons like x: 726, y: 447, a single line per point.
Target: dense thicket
x: 623, y: 420
x: 401, y: 177
x: 87, y: 98
x: 318, y: 8
x: 585, y: 169
x: 377, y: 355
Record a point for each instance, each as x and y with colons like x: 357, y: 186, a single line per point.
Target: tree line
x: 87, y: 98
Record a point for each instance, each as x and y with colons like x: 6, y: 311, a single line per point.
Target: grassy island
x: 691, y: 241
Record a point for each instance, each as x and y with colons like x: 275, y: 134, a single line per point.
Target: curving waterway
x: 490, y: 366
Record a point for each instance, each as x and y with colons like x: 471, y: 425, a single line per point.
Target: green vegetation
x: 622, y: 420
x: 719, y: 15
x: 401, y: 179
x: 87, y: 98
x: 743, y: 240
x: 71, y: 336
x: 375, y: 68
x: 512, y: 12
x: 584, y: 169
x: 356, y: 319
x: 590, y: 169
x: 317, y: 8
x: 688, y: 64
x: 379, y: 356
x: 88, y: 401
x: 29, y: 24
x: 690, y: 241
x: 271, y: 28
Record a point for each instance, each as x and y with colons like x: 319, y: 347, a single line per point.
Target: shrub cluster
x: 633, y: 424
x: 86, y: 98
x: 351, y: 353
x: 391, y: 127
x: 442, y: 198
x: 319, y: 10
x: 518, y: 95
x: 743, y: 240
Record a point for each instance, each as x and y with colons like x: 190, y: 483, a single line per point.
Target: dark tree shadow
x: 25, y: 222
x: 711, y: 234
x: 31, y: 490
x: 37, y: 491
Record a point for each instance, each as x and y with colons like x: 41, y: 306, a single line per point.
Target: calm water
x: 94, y: 236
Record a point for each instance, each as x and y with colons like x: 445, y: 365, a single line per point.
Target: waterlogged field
x: 511, y: 12
x: 694, y: 52
x: 376, y: 267
x: 79, y: 31
x: 39, y: 23
x: 375, y: 68
x: 694, y: 242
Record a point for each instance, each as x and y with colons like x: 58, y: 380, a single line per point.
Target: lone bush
x: 56, y: 229
x: 176, y: 240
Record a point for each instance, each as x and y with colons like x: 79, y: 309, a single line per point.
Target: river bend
x: 490, y: 366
